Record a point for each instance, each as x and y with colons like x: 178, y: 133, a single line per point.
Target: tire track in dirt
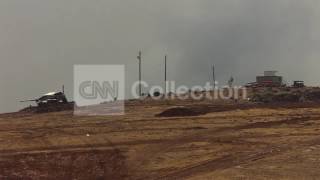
x: 156, y: 150
x: 237, y: 159
x: 65, y: 164
x: 224, y: 162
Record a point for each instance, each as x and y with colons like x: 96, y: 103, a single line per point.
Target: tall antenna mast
x: 139, y: 58
x: 165, y: 74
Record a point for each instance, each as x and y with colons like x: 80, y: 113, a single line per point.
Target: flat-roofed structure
x: 269, y: 79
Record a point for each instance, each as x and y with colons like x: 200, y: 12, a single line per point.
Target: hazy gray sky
x: 41, y: 40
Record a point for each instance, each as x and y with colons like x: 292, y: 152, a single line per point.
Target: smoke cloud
x: 41, y: 40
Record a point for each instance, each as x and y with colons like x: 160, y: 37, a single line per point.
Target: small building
x: 269, y: 79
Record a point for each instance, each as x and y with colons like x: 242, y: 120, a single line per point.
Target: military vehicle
x: 52, y: 98
x: 298, y: 84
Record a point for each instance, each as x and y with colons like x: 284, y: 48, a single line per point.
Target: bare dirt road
x: 222, y: 142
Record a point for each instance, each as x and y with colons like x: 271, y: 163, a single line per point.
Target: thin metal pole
x: 165, y: 74
x: 214, y: 77
x: 139, y: 58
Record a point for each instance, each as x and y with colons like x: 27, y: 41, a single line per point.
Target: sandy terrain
x: 224, y: 142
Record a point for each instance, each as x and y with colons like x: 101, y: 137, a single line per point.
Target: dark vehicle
x: 51, y: 98
x: 298, y: 84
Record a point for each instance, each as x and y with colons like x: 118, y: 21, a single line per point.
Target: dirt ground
x: 224, y: 142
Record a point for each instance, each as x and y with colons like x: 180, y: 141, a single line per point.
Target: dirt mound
x: 93, y: 164
x: 179, y: 111
x: 291, y: 95
x: 287, y: 97
x: 313, y: 96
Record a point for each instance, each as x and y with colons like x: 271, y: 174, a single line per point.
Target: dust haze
x: 41, y: 40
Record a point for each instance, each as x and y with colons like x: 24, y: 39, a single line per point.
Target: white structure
x: 270, y: 73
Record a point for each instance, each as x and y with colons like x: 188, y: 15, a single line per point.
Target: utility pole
x: 63, y: 89
x: 139, y: 58
x: 230, y: 82
x: 165, y: 75
x: 213, y: 77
